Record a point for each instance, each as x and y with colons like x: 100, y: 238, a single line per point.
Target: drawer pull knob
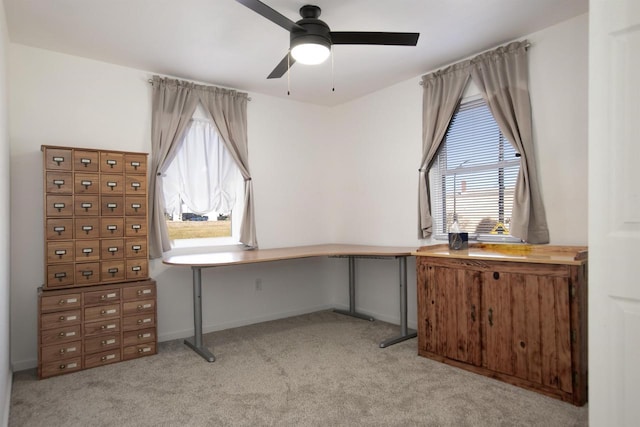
x: 136, y: 227
x: 59, y: 206
x: 112, y: 228
x: 112, y: 184
x: 496, y: 275
x: 110, y: 326
x: 135, y: 185
x: 63, y: 366
x: 111, y: 163
x: 60, y: 276
x: 136, y: 206
x: 107, y: 296
x: 144, y: 350
x: 144, y: 306
x: 59, y: 230
x: 145, y: 335
x: 85, y: 162
x: 86, y: 206
x: 87, y: 228
x: 62, y: 318
x: 108, y: 342
x: 58, y: 182
x: 490, y: 316
x: 61, y: 252
x: 58, y: 160
x: 144, y: 291
x: 62, y: 351
x: 136, y: 248
x: 87, y: 251
x: 141, y: 321
x: 110, y: 311
x: 108, y: 357
x: 113, y: 250
x: 112, y: 206
x: 86, y: 184
x: 135, y: 165
x: 113, y: 271
x: 136, y: 268
x: 87, y: 273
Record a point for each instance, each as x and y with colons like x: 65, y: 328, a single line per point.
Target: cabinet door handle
x: 490, y: 316
x: 473, y: 312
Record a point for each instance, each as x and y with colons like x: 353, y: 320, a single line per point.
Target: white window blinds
x: 473, y: 176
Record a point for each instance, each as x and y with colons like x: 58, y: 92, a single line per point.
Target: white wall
x: 345, y: 174
x: 5, y: 345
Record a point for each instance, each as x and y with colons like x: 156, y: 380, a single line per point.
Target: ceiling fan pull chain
x: 289, y: 73
x: 333, y: 75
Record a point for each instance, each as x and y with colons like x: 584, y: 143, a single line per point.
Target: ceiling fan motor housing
x: 317, y: 31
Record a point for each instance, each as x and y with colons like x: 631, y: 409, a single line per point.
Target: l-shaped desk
x: 218, y: 259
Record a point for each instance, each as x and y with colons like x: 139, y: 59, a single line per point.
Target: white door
x: 614, y: 213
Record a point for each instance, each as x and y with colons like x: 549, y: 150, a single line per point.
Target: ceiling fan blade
x: 363, y: 37
x: 282, y: 67
x: 272, y: 15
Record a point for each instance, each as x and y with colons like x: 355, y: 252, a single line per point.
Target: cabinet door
x: 527, y: 327
x: 451, y: 306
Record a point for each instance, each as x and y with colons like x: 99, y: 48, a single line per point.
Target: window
x: 473, y: 176
x: 201, y: 189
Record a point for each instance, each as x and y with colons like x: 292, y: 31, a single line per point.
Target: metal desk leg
x: 405, y: 333
x: 196, y: 341
x: 352, y: 294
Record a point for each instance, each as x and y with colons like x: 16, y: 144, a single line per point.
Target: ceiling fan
x: 311, y: 39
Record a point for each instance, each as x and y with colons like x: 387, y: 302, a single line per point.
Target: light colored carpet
x: 320, y: 369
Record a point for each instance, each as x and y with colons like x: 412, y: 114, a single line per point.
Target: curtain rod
x: 151, y: 81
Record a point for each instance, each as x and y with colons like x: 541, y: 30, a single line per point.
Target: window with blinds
x: 473, y: 176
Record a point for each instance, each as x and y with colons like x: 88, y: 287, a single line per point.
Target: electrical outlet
x: 258, y: 284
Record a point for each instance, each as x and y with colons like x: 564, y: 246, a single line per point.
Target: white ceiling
x: 224, y: 43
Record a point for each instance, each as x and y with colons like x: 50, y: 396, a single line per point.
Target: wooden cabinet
x: 92, y: 326
x: 516, y: 313
x: 93, y: 200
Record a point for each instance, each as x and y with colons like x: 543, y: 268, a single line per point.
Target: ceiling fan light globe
x: 310, y: 53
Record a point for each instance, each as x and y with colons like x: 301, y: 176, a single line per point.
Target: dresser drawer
x: 58, y: 352
x: 60, y: 319
x: 106, y: 342
x: 139, y: 321
x: 139, y: 307
x: 135, y: 163
x: 139, y: 292
x: 108, y: 326
x: 135, y: 226
x: 112, y: 271
x: 59, y: 229
x: 110, y: 311
x: 111, y: 162
x: 86, y: 205
x: 112, y: 206
x: 103, y: 296
x: 60, y: 275
x: 61, y: 367
x: 57, y: 158
x: 60, y: 252
x: 87, y: 250
x: 86, y: 183
x: 102, y: 358
x: 111, y: 249
x: 135, y: 206
x: 111, y: 227
x: 60, y: 302
x: 59, y: 183
x: 87, y: 273
x: 135, y: 247
x: 59, y: 206
x: 85, y: 160
x: 136, y: 184
x: 139, y: 350
x: 111, y: 184
x: 137, y: 268
x: 60, y: 335
x: 87, y: 228
x: 139, y: 337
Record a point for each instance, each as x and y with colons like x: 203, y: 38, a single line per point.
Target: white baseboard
x: 4, y: 420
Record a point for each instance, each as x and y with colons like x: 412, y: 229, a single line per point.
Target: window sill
x: 488, y: 238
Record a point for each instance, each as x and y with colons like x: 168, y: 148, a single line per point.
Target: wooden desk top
x: 540, y: 254
x: 216, y: 259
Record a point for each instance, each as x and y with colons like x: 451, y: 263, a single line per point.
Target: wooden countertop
x: 541, y: 254
x: 215, y: 259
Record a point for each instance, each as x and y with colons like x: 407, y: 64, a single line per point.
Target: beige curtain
x: 503, y: 77
x: 228, y: 109
x: 173, y: 104
x: 442, y: 92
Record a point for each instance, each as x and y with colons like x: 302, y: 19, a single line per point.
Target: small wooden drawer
x: 87, y: 228
x: 135, y: 247
x: 102, y: 343
x: 112, y: 271
x: 139, y: 321
x: 61, y: 351
x: 60, y: 252
x: 111, y: 249
x: 85, y: 161
x: 86, y: 183
x: 135, y: 206
x: 87, y: 250
x: 139, y: 350
x: 111, y: 162
x: 135, y: 226
x: 103, y: 296
x: 59, y: 183
x: 107, y: 326
x: 85, y: 205
x: 111, y: 184
x: 136, y: 184
x: 60, y: 302
x: 59, y: 206
x: 135, y: 163
x: 102, y: 358
x: 112, y: 227
x: 60, y: 319
x: 60, y: 275
x: 59, y: 335
x: 138, y: 337
x: 87, y: 273
x: 59, y: 229
x: 137, y: 307
x: 138, y: 292
x: 112, y: 206
x: 137, y: 268
x: 100, y: 312
x: 61, y: 367
x: 57, y: 159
